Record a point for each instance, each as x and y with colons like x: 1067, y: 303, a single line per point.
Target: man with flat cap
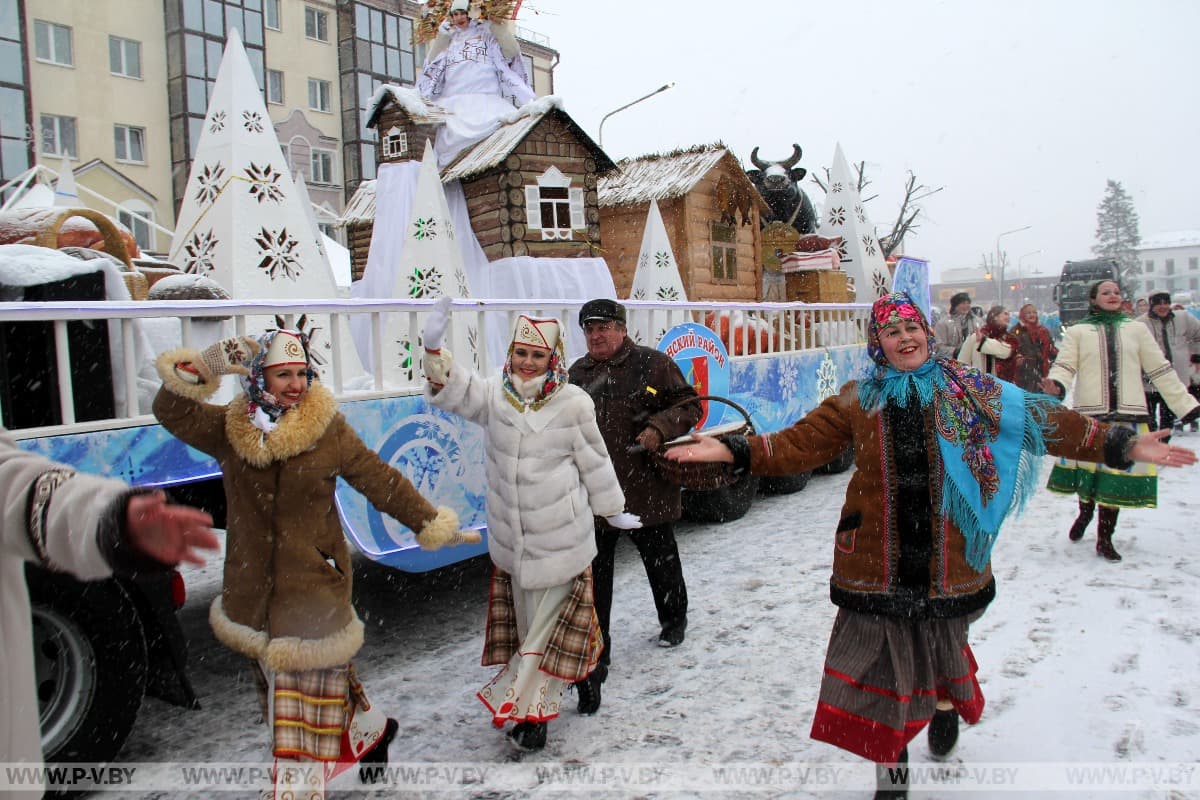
x: 636, y: 390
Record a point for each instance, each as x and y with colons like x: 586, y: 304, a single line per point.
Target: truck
x: 1074, y: 283
x: 103, y: 646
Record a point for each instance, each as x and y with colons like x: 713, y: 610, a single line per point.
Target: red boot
x: 1086, y: 510
x: 1105, y: 529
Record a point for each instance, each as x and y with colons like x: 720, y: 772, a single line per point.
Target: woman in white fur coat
x: 548, y: 473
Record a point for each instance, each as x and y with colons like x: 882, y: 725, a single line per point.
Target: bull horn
x: 791, y: 162
x: 754, y: 160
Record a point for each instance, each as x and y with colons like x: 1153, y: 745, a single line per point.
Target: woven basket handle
x: 725, y: 400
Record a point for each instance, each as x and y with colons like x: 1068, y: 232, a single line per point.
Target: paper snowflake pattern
x: 868, y: 244
x: 827, y: 379
x: 643, y: 260
x: 669, y: 293
x: 638, y: 294
x: 405, y: 360
x: 861, y: 214
x: 662, y: 260
x: 252, y: 121
x: 264, y: 183
x: 208, y: 183
x: 198, y: 253
x: 879, y: 282
x: 280, y: 254
x: 837, y: 215
x: 835, y: 187
x: 424, y: 282
x: 789, y: 375
x: 460, y: 278
x: 425, y: 228
x: 218, y: 122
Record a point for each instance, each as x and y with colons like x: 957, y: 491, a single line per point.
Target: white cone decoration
x: 431, y: 266
x: 656, y: 278
x: 310, y: 215
x: 844, y: 215
x: 243, y: 222
x: 66, y: 193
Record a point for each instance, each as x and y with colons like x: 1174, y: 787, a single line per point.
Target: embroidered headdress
x: 544, y: 334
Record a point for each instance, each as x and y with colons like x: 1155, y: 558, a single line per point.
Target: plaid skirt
x: 884, y: 676
x: 1136, y: 487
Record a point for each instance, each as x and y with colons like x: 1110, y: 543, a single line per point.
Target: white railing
x: 772, y: 329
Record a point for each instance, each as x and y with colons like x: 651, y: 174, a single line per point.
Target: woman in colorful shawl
x: 943, y: 453
x: 1104, y: 357
x: 548, y: 472
x: 1035, y: 350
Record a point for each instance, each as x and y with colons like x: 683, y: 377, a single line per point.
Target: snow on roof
x: 514, y: 127
x: 361, y: 207
x: 30, y: 265
x: 421, y: 110
x: 1163, y: 241
x: 658, y: 176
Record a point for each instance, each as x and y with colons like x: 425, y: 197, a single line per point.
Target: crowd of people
x: 946, y: 445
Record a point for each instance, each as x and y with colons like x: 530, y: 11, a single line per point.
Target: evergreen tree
x: 1117, y: 235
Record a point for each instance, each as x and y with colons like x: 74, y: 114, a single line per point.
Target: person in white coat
x: 548, y: 473
x: 84, y: 525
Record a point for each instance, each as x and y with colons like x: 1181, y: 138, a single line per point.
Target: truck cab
x: 1076, y: 280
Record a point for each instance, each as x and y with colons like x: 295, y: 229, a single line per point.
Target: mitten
x: 226, y: 357
x: 435, y: 324
x: 443, y: 530
x: 625, y: 521
x: 437, y: 366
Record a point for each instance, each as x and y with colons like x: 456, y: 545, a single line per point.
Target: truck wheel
x: 783, y: 484
x: 90, y: 665
x: 721, y: 505
x: 839, y: 464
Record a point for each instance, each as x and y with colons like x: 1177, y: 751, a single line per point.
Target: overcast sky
x: 1020, y: 110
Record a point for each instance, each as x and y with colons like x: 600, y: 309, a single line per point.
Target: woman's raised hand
x: 435, y: 324
x: 701, y: 448
x: 1151, y: 448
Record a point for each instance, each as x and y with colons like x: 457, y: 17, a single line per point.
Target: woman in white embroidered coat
x: 548, y: 473
x: 286, y: 595
x: 1104, y: 357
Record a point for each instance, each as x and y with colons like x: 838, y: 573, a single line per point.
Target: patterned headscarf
x: 556, y: 374
x: 989, y: 431
x: 263, y: 409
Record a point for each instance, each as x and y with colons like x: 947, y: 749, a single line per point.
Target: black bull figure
x: 779, y: 184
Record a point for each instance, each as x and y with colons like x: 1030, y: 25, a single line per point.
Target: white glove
x: 437, y: 366
x: 435, y: 324
x: 625, y: 521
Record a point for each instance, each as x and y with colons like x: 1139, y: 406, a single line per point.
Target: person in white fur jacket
x: 548, y: 473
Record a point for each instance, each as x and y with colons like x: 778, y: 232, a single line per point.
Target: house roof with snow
x: 1163, y: 241
x: 421, y: 110
x: 663, y: 176
x: 361, y: 205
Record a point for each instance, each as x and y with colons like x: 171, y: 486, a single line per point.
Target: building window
x: 271, y: 14
x: 1169, y: 266
x: 1193, y: 263
x: 124, y: 57
x: 724, y: 253
x: 58, y: 136
x: 318, y: 95
x: 139, y: 226
x: 1149, y: 286
x: 528, y: 62
x: 316, y: 24
x: 1148, y: 267
x: 553, y: 206
x: 274, y: 86
x: 1194, y: 283
x: 388, y: 52
x: 322, y: 166
x: 130, y: 143
x: 52, y: 43
x: 395, y: 144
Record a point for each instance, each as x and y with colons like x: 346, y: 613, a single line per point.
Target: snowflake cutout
x: 208, y: 183
x: 460, y: 278
x: 218, y: 122
x: 789, y: 377
x: 827, y: 380
x: 252, y: 121
x: 264, y: 183
x: 198, y: 253
x: 667, y: 293
x: 638, y: 294
x: 868, y: 244
x: 880, y: 283
x: 279, y: 254
x: 861, y: 213
x: 643, y: 260
x: 837, y: 215
x: 425, y: 228
x: 836, y: 187
x: 662, y: 260
x: 424, y: 282
x: 843, y: 253
x: 405, y: 361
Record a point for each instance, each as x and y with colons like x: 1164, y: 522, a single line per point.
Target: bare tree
x: 910, y: 208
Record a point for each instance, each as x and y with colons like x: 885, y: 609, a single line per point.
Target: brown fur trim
x: 293, y: 654
x: 234, y: 635
x: 438, y: 531
x: 165, y: 364
x: 296, y: 432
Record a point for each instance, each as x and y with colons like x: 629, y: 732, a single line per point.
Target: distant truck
x: 1071, y: 293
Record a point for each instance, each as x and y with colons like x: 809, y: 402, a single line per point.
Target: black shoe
x: 589, y: 695
x: 943, y: 731
x: 672, y: 634
x: 371, y: 765
x: 529, y: 735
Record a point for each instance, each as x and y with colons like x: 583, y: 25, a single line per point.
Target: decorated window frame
x: 554, y: 207
x: 395, y: 142
x: 724, y: 252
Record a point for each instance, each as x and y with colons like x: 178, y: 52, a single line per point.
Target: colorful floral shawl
x: 556, y: 378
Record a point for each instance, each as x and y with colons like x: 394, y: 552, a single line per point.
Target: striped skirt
x: 884, y: 676
x: 1136, y: 487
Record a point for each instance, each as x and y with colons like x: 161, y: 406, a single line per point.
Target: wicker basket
x: 701, y: 476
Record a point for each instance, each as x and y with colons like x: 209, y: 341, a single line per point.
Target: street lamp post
x: 600, y: 132
x: 1021, y: 258
x: 1000, y: 261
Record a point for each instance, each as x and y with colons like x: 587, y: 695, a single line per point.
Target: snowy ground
x: 1081, y: 661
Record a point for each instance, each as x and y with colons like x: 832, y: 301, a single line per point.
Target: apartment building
x: 119, y: 89
x: 1171, y: 263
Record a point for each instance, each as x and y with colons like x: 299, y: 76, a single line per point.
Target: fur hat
x: 286, y: 348
x: 540, y: 333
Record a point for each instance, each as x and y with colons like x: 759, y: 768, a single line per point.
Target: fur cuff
x: 165, y: 364
x: 439, y: 531
x: 234, y: 635
x: 293, y: 654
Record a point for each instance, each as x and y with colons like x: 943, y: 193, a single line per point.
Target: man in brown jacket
x: 636, y: 390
